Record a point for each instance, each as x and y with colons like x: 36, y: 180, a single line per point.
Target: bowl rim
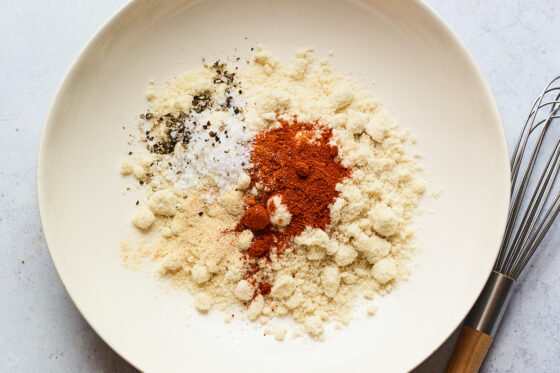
x: 113, y: 20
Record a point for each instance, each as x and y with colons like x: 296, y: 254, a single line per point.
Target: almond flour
x: 197, y: 193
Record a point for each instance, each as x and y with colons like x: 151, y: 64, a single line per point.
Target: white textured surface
x: 515, y: 43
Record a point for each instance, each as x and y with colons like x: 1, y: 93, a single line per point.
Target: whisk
x: 534, y: 206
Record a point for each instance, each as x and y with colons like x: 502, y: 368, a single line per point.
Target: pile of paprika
x: 297, y: 162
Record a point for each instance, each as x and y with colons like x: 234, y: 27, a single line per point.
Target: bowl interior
x: 407, y: 56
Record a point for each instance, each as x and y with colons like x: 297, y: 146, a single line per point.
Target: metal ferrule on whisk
x: 487, y: 312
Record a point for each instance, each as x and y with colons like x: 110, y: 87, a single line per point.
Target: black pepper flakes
x: 175, y: 131
x: 201, y: 102
x: 171, y: 129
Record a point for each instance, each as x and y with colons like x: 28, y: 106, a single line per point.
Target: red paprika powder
x: 255, y: 217
x: 297, y: 162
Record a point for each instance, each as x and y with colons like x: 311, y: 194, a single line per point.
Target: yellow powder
x: 201, y: 251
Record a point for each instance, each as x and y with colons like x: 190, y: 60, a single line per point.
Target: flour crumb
x: 243, y: 181
x: 126, y: 167
x: 278, y: 212
x: 203, y: 302
x: 163, y: 202
x: 143, y: 218
x: 436, y: 191
x: 385, y: 270
x: 371, y: 309
x: 169, y: 264
x: 341, y: 98
x: 283, y: 287
x: 245, y: 239
x: 278, y: 331
x: 314, y: 326
x: 200, y: 274
x: 228, y: 317
x: 244, y: 291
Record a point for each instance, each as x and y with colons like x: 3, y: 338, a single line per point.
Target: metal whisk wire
x: 529, y: 220
x: 522, y: 238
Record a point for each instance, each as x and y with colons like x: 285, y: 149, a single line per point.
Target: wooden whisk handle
x: 481, y: 325
x: 470, y: 350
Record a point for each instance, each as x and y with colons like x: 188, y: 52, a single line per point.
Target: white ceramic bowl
x: 420, y: 70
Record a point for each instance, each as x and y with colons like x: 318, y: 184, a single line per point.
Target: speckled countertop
x: 516, y: 43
